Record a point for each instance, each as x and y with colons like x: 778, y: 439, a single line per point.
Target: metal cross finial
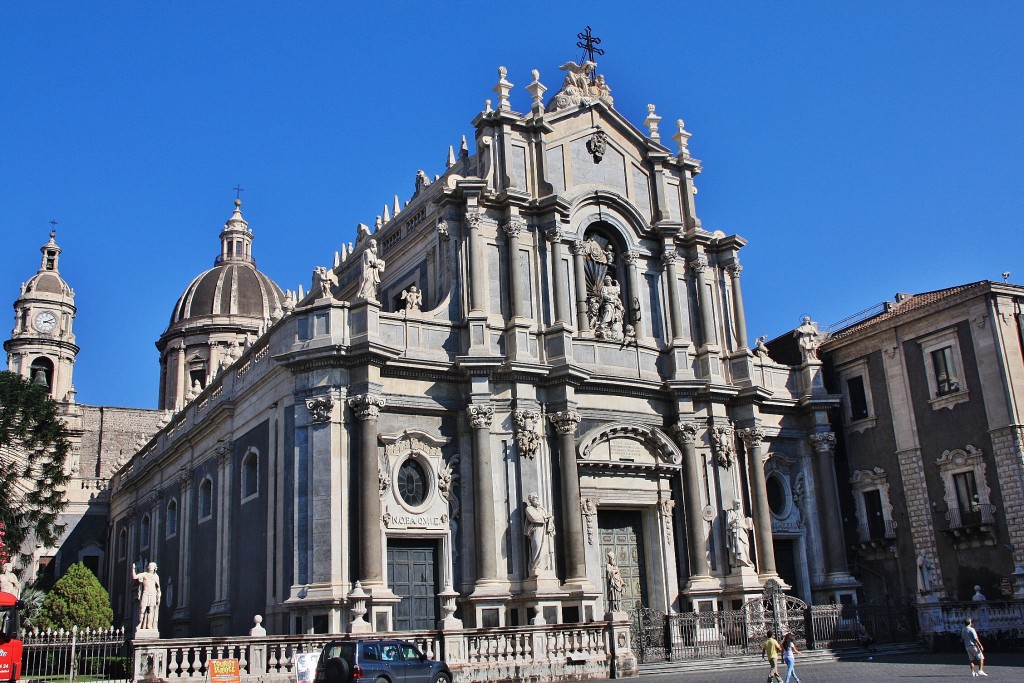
x: 238, y: 191
x: 53, y: 222
x: 587, y: 42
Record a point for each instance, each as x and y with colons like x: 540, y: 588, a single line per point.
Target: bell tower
x: 42, y: 344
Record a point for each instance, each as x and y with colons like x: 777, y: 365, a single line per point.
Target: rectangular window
x: 873, y: 511
x: 858, y: 397
x: 946, y: 380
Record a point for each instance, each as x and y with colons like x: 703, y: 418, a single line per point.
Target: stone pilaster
x: 919, y: 512
x: 180, y: 616
x: 737, y: 306
x: 1008, y: 452
x: 220, y: 611
x: 698, y: 266
x: 686, y: 434
x: 366, y: 408
x: 554, y: 237
x: 565, y: 423
x: 669, y: 258
x: 512, y: 229
x: 752, y: 438
x: 477, y: 264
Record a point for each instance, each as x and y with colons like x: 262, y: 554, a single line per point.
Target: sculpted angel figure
x: 321, y: 282
x: 412, y: 298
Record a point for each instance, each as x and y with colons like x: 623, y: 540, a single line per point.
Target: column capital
x: 155, y: 497
x: 473, y: 218
x: 566, y: 421
x: 752, y: 436
x: 734, y: 270
x: 554, y: 234
x: 699, y: 264
x: 320, y: 408
x: 669, y: 258
x: 685, y: 431
x: 480, y: 415
x: 513, y: 227
x: 823, y: 442
x: 367, y: 406
x: 629, y: 257
x: 184, y: 479
x: 579, y: 247
x: 442, y: 230
x: 223, y: 451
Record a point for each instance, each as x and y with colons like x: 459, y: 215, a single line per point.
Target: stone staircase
x: 754, y: 660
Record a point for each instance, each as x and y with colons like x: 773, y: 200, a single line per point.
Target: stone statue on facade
x: 321, y: 283
x: 539, y: 528
x: 978, y: 595
x: 412, y: 297
x: 616, y: 584
x: 373, y: 266
x: 925, y: 575
x: 149, y: 596
x: 809, y: 338
x: 9, y: 582
x: 761, y: 349
x: 610, y: 311
x: 577, y: 88
x: 738, y: 526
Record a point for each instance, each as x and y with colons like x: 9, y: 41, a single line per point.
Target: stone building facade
x: 539, y: 365
x: 931, y: 425
x: 42, y: 348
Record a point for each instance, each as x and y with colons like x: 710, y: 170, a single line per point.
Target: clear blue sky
x: 862, y: 148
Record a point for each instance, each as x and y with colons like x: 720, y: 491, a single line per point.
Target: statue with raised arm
x: 149, y: 596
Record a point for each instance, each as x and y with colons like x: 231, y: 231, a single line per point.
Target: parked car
x: 380, y: 661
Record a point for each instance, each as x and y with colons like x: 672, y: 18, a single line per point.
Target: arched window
x: 144, y: 533
x: 250, y: 475
x: 172, y: 518
x: 122, y: 544
x: 41, y: 373
x: 206, y: 499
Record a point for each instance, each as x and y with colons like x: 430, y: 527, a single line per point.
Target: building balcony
x: 972, y: 526
x: 879, y: 535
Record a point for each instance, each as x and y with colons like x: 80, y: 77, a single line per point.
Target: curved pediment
x: 629, y: 445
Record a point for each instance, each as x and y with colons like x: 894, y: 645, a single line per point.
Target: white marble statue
x: 925, y: 574
x: 9, y: 582
x: 809, y: 337
x: 412, y: 297
x: 373, y: 266
x: 149, y: 596
x: 610, y: 311
x: 739, y: 540
x: 539, y: 528
x: 616, y: 584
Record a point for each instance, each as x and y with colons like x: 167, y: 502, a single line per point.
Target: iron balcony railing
x: 878, y: 531
x: 971, y: 518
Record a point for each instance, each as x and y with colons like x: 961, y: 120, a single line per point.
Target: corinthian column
x: 565, y: 424
x: 367, y: 410
x: 512, y: 230
x: 634, y: 316
x: 698, y: 266
x: 686, y: 433
x: 669, y: 258
x: 752, y: 437
x: 480, y: 417
x: 554, y: 236
x: 737, y: 306
x: 828, y: 501
x: 477, y: 282
x: 583, y: 318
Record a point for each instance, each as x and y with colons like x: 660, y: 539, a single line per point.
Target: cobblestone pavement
x: 921, y: 667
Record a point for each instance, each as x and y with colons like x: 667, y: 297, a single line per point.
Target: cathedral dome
x: 233, y: 287
x: 48, y: 283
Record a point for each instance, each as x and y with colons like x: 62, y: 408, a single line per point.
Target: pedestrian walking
x: 770, y: 650
x: 789, y: 653
x: 975, y: 651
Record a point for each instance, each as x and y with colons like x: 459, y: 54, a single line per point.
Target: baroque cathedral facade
x: 537, y: 367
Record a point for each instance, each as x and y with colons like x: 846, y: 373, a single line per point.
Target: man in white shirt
x: 975, y: 652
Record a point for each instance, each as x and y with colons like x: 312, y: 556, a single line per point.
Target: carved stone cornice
x: 513, y: 227
x: 699, y: 264
x: 734, y: 270
x: 480, y: 416
x: 320, y: 408
x: 752, y: 436
x: 554, y: 235
x: 685, y: 431
x: 566, y: 421
x: 823, y: 442
x: 366, y: 406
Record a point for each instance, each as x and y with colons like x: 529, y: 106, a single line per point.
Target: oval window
x: 776, y: 495
x: 412, y: 483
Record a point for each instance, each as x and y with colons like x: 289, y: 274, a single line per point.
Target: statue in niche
x: 373, y: 266
x: 539, y: 528
x: 738, y: 526
x: 610, y: 311
x: 412, y: 297
x: 616, y: 584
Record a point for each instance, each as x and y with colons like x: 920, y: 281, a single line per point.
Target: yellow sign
x: 224, y: 671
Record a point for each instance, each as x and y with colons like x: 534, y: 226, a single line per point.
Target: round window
x: 776, y: 495
x: 412, y: 483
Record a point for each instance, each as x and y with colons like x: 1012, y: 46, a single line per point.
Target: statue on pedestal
x: 539, y: 526
x: 149, y: 596
x: 9, y: 582
x: 372, y: 268
x: 616, y: 584
x: 739, y: 539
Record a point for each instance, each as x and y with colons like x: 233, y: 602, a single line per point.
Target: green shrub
x: 77, y: 599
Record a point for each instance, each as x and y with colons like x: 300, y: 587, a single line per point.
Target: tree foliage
x: 33, y: 449
x: 77, y: 599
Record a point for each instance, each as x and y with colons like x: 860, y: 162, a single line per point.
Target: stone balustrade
x: 539, y: 653
x: 989, y: 615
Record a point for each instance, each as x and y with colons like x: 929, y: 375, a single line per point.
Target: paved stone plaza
x: 940, y: 667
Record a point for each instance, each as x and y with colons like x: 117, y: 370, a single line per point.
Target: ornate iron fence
x: 76, y: 655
